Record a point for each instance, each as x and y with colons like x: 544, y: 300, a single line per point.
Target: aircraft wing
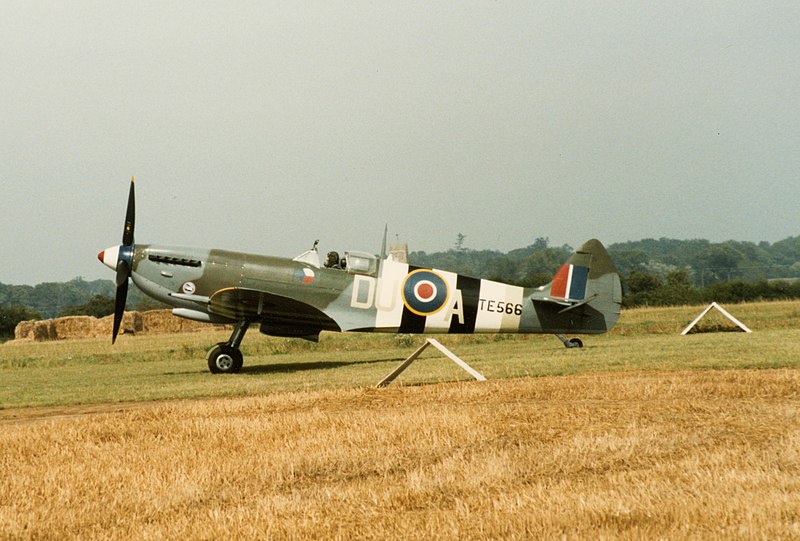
x: 272, y: 311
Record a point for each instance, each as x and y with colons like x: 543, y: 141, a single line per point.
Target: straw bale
x: 43, y: 330
x: 131, y: 323
x: 65, y: 328
x: 24, y: 330
x: 72, y: 327
x: 162, y: 322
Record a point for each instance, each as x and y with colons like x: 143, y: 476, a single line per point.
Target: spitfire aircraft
x: 363, y: 292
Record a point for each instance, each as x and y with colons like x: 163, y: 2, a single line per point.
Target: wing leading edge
x: 278, y: 315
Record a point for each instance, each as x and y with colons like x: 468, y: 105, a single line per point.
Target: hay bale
x: 161, y: 322
x: 164, y: 322
x: 103, y: 326
x: 43, y: 330
x: 66, y: 328
x: 131, y: 324
x: 24, y: 330
x: 72, y: 327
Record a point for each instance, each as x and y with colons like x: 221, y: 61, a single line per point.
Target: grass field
x: 641, y: 434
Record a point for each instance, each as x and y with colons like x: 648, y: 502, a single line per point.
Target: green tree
x: 642, y: 282
x: 11, y: 315
x: 628, y: 261
x: 719, y: 262
x: 460, y: 238
x: 97, y: 306
x: 679, y: 278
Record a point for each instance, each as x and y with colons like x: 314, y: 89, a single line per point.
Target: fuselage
x: 369, y: 295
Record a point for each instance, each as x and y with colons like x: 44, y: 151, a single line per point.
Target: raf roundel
x: 425, y: 292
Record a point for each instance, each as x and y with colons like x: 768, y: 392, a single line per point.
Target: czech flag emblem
x: 305, y: 276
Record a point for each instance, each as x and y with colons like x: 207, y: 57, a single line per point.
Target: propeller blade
x: 124, y: 260
x: 130, y: 218
x: 119, y: 307
x: 123, y: 272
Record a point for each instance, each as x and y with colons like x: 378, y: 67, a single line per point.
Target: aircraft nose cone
x: 109, y: 257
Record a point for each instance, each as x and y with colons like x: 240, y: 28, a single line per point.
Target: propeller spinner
x: 120, y: 259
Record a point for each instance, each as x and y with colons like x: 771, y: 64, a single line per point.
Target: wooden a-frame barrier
x: 724, y: 312
x: 430, y: 342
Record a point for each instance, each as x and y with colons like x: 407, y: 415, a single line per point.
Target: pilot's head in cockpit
x: 332, y: 260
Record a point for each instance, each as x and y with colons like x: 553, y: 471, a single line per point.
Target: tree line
x: 653, y: 271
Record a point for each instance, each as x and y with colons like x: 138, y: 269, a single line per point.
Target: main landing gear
x: 226, y: 357
x: 570, y: 343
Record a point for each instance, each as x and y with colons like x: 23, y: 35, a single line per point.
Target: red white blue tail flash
x: 570, y: 282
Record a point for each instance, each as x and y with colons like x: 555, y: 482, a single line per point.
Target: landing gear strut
x: 226, y: 357
x: 570, y: 343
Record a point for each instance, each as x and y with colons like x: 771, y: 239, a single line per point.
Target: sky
x: 262, y: 126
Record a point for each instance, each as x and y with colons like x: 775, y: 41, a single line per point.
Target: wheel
x: 224, y: 359
x: 574, y: 343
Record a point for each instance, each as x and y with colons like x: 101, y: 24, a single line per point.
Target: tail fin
x: 569, y: 283
x: 585, y: 294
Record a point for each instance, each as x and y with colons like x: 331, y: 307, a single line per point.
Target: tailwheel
x: 570, y: 342
x: 575, y: 343
x: 225, y: 359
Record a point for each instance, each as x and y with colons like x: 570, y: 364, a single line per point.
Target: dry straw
x: 680, y: 455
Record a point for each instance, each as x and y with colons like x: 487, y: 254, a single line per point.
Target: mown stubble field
x: 674, y: 437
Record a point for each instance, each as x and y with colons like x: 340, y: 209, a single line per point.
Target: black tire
x: 575, y: 343
x: 225, y: 359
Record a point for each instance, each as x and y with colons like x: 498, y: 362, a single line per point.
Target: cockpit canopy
x: 354, y: 262
x: 361, y: 263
